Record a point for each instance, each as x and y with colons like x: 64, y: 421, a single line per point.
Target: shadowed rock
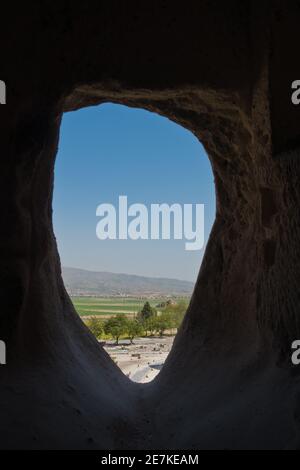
x: 222, y: 71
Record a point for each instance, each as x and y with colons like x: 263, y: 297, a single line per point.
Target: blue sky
x: 111, y: 150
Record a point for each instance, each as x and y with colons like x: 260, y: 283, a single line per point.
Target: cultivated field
x: 109, y: 306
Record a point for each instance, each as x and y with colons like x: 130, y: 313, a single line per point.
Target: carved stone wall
x: 222, y: 71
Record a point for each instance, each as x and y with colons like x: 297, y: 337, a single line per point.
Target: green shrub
x: 96, y: 326
x: 116, y: 326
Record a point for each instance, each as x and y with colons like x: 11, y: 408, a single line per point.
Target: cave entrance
x: 134, y: 202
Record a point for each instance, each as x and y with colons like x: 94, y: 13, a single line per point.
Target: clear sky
x: 111, y: 150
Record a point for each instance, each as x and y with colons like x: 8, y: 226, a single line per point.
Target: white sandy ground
x: 140, y: 361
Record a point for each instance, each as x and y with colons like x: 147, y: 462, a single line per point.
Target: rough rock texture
x: 223, y: 71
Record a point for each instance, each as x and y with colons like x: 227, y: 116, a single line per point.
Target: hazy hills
x: 83, y: 282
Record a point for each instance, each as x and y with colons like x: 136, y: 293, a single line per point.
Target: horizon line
x: 128, y: 274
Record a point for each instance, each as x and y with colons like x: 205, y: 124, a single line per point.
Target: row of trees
x: 116, y: 326
x: 147, y: 321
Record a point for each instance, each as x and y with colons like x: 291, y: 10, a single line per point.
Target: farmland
x: 109, y: 306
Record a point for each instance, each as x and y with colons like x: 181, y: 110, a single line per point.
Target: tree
x: 150, y: 325
x: 146, y: 312
x: 95, y: 325
x: 177, y: 312
x: 116, y: 326
x: 134, y: 328
x: 163, y: 323
x: 181, y: 310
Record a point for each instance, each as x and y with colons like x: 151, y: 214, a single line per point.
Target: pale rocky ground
x: 142, y: 360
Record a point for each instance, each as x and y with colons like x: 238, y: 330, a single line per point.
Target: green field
x: 106, y: 306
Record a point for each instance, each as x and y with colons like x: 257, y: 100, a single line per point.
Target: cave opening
x: 131, y: 279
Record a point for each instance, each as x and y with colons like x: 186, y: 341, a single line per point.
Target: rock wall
x: 224, y: 72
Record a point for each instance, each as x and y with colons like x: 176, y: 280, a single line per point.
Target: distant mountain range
x: 82, y: 282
